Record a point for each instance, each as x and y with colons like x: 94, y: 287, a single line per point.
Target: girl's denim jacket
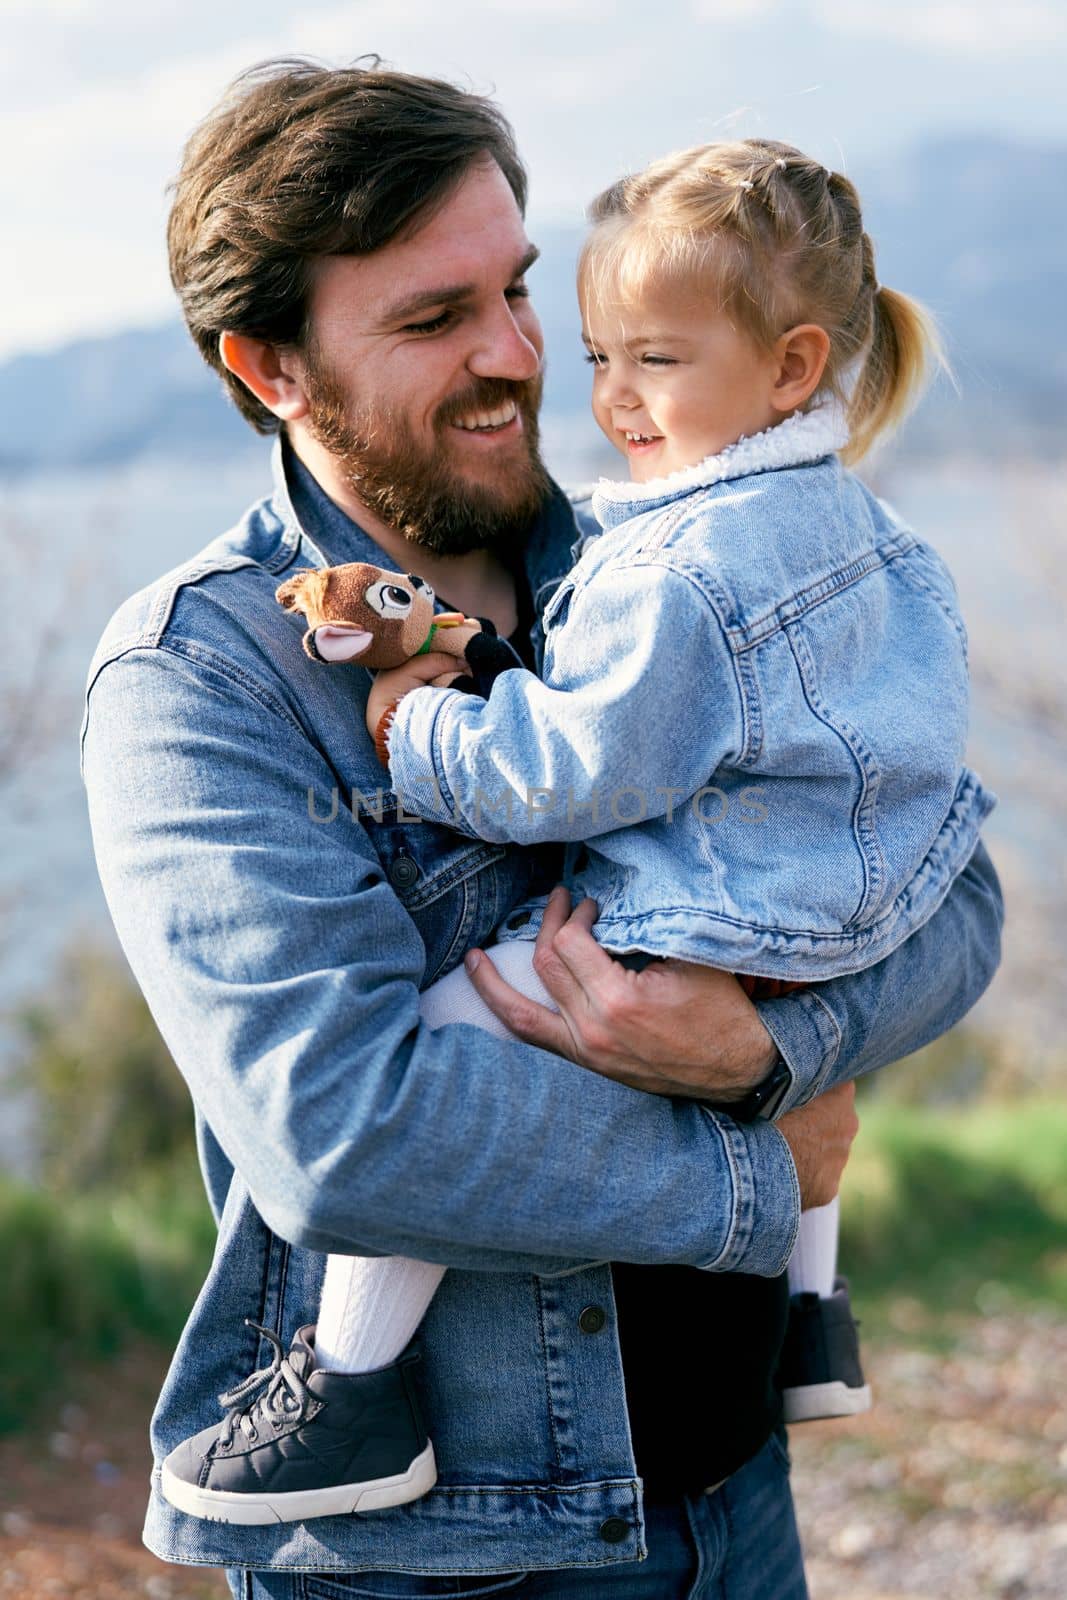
x: 281, y: 912
x: 753, y: 714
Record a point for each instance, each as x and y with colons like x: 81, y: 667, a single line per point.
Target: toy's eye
x: 422, y: 586
x: 388, y: 599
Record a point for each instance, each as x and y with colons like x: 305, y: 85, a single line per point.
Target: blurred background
x: 119, y: 458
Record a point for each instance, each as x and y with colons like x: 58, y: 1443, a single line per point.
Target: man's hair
x: 298, y: 161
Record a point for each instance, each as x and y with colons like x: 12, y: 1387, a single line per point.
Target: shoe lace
x: 271, y: 1395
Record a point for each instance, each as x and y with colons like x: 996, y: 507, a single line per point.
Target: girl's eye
x: 658, y: 361
x: 596, y: 361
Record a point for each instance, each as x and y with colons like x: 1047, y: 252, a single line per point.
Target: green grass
x: 81, y: 1275
x: 963, y: 1210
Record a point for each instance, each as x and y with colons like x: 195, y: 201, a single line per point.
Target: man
x: 349, y: 251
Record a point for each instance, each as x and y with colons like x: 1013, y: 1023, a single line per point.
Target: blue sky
x: 98, y: 96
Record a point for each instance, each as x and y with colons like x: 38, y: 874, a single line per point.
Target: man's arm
x: 840, y: 1030
x: 615, y: 1021
x: 283, y: 971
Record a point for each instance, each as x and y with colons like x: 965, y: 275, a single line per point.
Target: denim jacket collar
x: 311, y: 520
x: 805, y: 437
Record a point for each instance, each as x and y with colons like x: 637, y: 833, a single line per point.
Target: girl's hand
x: 676, y: 1028
x: 393, y: 683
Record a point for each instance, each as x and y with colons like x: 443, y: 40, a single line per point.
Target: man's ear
x: 801, y: 357
x: 274, y: 376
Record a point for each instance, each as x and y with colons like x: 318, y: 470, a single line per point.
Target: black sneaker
x: 820, y: 1370
x: 310, y: 1444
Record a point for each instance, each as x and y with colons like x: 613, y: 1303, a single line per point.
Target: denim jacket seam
x: 836, y: 1040
x: 923, y: 584
x: 751, y: 634
x: 187, y: 577
x: 461, y: 937
x: 734, y: 1244
x: 542, y: 1340
x: 481, y: 854
x: 829, y: 941
x: 819, y: 1018
x: 721, y: 606
x: 798, y: 1199
x: 444, y: 788
x: 864, y: 818
x: 191, y: 650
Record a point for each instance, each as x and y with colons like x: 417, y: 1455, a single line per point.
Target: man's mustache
x: 486, y: 394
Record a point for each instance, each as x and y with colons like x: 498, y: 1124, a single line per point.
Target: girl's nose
x: 614, y: 386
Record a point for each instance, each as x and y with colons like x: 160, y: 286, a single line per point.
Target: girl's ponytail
x: 904, y: 349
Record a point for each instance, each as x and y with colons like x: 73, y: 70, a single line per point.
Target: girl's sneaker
x: 820, y: 1372
x: 300, y: 1442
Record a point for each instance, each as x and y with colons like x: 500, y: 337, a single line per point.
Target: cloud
x: 95, y: 130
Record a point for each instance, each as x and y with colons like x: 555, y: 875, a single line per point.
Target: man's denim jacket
x: 282, y: 941
x: 753, y: 708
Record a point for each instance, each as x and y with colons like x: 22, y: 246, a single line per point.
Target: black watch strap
x: 762, y: 1101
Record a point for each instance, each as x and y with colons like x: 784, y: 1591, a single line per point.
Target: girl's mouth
x: 638, y: 443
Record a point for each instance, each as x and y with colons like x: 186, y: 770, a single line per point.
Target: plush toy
x: 364, y: 614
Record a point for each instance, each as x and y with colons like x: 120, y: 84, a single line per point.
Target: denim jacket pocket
x: 557, y: 608
x: 450, y: 885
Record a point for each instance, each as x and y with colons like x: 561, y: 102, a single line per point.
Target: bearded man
x: 349, y: 250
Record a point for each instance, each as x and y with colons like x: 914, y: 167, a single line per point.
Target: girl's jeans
x: 738, y: 1543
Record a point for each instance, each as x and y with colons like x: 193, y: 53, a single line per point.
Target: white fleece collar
x: 804, y: 437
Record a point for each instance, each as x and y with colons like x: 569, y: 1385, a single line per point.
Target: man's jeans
x: 739, y: 1543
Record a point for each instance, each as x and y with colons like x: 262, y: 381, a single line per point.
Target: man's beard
x: 413, y: 488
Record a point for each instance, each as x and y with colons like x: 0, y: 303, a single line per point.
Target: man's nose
x: 506, y: 350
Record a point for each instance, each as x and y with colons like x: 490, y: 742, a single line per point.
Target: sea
x: 76, y: 543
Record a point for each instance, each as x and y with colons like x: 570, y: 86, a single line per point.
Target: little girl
x: 752, y: 718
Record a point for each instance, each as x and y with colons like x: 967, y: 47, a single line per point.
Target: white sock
x: 813, y: 1264
x: 371, y: 1305
x: 454, y: 998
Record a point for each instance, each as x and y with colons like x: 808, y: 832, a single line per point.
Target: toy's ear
x: 332, y: 643
x: 302, y: 590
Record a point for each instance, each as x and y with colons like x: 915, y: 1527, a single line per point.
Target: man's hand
x: 676, y: 1028
x: 393, y: 682
x: 820, y: 1136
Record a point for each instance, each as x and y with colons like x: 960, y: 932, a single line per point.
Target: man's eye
x: 518, y: 291
x: 432, y: 325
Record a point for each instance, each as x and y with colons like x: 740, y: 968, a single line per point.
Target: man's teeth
x: 489, y: 419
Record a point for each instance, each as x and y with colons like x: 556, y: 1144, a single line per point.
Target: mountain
x: 970, y: 225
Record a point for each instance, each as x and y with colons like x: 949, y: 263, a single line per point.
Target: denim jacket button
x: 403, y: 872
x: 614, y: 1530
x: 592, y: 1319
x: 519, y: 920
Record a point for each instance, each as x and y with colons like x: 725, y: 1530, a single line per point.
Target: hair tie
x: 744, y: 184
x: 781, y: 163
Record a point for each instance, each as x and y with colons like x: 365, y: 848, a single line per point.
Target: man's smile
x: 488, y: 421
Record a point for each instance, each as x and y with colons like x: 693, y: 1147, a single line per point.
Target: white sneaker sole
x: 817, y: 1400
x: 253, y: 1510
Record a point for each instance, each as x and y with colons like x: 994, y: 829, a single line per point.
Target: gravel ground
x: 953, y: 1488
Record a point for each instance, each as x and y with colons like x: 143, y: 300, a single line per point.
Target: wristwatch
x: 762, y: 1101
